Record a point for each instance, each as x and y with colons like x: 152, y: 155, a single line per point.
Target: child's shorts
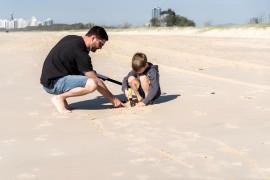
x: 142, y: 94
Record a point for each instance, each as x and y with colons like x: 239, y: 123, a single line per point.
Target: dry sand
x: 211, y: 122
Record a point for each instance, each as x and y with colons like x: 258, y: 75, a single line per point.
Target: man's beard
x: 93, y: 49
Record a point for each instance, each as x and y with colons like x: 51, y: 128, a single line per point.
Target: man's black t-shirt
x: 68, y: 57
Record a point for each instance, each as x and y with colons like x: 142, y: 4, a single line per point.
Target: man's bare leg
x: 60, y: 100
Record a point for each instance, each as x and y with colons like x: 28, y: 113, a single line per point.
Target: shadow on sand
x: 166, y: 98
x: 100, y: 102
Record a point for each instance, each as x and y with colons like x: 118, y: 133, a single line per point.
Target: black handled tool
x: 104, y: 78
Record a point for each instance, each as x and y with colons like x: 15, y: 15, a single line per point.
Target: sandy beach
x: 212, y: 120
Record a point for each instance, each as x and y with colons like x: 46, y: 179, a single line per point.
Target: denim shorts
x: 67, y: 83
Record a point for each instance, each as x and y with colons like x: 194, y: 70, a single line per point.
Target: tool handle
x: 130, y: 94
x: 104, y: 78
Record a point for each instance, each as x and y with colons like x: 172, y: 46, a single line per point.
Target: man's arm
x: 102, y: 89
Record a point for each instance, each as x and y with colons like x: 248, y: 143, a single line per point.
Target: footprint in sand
x: 237, y: 164
x: 150, y: 160
x: 262, y: 108
x: 10, y: 82
x: 44, y: 124
x: 247, y: 97
x: 137, y: 162
x: 28, y: 98
x: 56, y: 152
x: 230, y: 126
x: 35, y: 113
x: 99, y: 129
x: 26, y: 176
x: 8, y: 142
x: 41, y: 138
x: 199, y: 113
x: 266, y: 142
x: 192, y: 134
x: 142, y: 177
x: 173, y: 171
x: 45, y: 104
x: 206, y: 157
x: 118, y: 173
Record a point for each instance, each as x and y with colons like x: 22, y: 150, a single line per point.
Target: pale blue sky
x: 135, y: 12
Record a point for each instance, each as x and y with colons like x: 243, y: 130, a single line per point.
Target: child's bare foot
x: 60, y: 105
x: 139, y: 98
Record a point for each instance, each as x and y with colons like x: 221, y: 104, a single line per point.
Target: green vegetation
x: 198, y: 29
x: 56, y: 27
x: 66, y: 27
x: 185, y: 24
x: 169, y: 19
x: 81, y: 27
x: 240, y: 26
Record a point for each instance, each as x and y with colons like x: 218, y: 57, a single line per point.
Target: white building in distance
x: 22, y: 23
x: 47, y: 22
x: 34, y: 21
x: 3, y: 24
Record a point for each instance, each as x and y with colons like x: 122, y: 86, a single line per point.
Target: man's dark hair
x: 99, y: 32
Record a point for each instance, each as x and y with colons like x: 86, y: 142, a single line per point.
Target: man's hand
x: 117, y: 103
x: 102, y: 89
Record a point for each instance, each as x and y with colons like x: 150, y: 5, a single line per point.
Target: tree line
x: 170, y: 18
x: 64, y: 27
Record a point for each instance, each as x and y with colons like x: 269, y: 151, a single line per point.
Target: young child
x: 143, y: 79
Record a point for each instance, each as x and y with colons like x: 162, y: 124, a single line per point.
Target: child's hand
x: 140, y: 104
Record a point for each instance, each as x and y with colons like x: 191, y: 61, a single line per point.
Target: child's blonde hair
x: 139, y: 61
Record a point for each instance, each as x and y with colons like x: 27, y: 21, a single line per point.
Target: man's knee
x: 91, y: 84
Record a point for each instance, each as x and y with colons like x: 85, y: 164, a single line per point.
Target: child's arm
x: 154, y: 88
x: 125, y: 85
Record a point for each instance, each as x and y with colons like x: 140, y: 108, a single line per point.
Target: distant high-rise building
x: 22, y: 23
x: 34, y: 21
x: 11, y: 24
x: 11, y: 16
x: 156, y: 12
x: 48, y: 22
x: 3, y: 24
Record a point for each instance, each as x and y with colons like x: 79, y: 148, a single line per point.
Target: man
x: 68, y: 72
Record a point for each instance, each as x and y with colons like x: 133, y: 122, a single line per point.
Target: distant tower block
x: 11, y: 16
x: 156, y: 12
